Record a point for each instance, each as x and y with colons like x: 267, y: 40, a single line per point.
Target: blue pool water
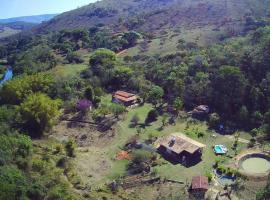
x: 220, y: 149
x: 7, y: 76
x: 224, y: 179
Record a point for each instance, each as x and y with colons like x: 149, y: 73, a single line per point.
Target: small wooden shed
x: 199, y: 186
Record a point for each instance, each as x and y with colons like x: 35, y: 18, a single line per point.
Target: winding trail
x: 242, y: 140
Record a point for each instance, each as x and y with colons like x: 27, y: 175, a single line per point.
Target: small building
x: 200, y: 111
x: 180, y: 149
x: 199, y: 186
x: 124, y: 98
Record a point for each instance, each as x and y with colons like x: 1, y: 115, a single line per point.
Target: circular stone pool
x: 255, y: 164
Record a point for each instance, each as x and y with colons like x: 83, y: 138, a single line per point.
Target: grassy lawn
x: 97, y: 164
x: 67, y: 71
x: 168, y: 170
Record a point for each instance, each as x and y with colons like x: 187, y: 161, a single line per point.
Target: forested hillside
x: 64, y: 137
x: 203, y: 19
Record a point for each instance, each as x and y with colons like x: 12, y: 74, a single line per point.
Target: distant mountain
x: 15, y: 25
x: 191, y: 18
x: 30, y: 19
x: 12, y: 28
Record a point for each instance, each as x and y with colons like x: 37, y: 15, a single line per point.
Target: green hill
x: 204, y: 19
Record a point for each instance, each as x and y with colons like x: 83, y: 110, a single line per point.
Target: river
x: 7, y: 76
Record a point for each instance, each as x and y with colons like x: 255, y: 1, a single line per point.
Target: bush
x: 73, y: 57
x: 151, y: 117
x: 214, y: 120
x: 209, y: 175
x: 70, y: 148
x: 83, y: 105
x: 89, y: 93
x: 13, y: 184
x: 62, y: 162
x: 135, y: 120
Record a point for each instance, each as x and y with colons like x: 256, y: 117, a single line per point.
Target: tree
x: 122, y: 76
x: 131, y: 38
x: 73, y: 57
x: 243, y: 116
x: 89, y: 93
x: 178, y: 104
x: 267, y: 122
x: 101, y: 60
x: 16, y: 90
x: 117, y: 109
x: 135, y: 120
x: 155, y: 95
x: 152, y: 116
x: 13, y: 183
x: 70, y: 148
x: 264, y: 193
x: 37, y: 59
x: 83, y: 105
x: 7, y: 119
x: 228, y: 87
x: 165, y: 118
x: 196, y: 90
x: 214, y: 120
x: 38, y: 113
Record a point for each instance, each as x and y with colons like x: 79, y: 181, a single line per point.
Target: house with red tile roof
x: 124, y: 98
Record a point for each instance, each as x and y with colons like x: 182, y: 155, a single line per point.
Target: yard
x: 97, y: 162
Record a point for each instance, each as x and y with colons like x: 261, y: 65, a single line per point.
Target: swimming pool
x: 220, y: 149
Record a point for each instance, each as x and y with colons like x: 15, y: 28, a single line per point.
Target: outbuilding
x: 199, y: 186
x: 124, y: 98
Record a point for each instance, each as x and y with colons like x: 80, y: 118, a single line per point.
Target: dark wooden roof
x: 180, y: 143
x: 199, y: 182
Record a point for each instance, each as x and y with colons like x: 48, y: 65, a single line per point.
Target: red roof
x: 199, y: 182
x: 125, y: 96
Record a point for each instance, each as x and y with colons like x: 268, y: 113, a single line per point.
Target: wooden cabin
x: 180, y: 148
x: 199, y: 186
x: 124, y: 98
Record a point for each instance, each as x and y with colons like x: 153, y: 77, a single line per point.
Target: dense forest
x: 232, y: 77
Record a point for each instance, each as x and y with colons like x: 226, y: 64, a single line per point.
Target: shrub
x: 135, y: 120
x: 151, y: 117
x: 83, y: 105
x: 209, y: 175
x: 13, y: 184
x: 62, y: 162
x: 89, y: 93
x: 73, y: 57
x: 214, y: 120
x: 70, y: 148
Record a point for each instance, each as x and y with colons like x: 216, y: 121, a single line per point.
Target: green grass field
x: 104, y: 158
x: 69, y: 70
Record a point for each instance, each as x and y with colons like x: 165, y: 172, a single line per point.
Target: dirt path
x: 121, y: 52
x: 231, y: 137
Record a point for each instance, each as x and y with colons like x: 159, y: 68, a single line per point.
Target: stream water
x: 7, y: 76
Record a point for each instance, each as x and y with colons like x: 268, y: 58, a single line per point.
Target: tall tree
x: 155, y: 95
x: 38, y: 113
x: 228, y: 89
